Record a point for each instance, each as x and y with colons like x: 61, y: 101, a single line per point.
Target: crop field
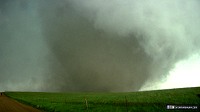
x: 109, y: 102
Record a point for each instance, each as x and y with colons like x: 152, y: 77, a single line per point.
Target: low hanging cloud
x: 100, y: 45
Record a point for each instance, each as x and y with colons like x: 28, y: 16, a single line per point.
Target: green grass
x: 145, y: 101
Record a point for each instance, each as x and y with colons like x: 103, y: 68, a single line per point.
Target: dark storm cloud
x: 93, y: 45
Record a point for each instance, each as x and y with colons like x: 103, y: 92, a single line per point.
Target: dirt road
x: 10, y: 105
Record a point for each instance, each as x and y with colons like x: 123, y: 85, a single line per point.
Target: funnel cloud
x: 94, y: 45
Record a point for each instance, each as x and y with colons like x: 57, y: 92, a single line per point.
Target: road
x: 10, y: 105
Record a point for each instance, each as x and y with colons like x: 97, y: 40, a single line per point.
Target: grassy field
x: 145, y: 101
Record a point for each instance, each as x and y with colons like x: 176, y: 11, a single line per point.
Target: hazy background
x: 99, y: 45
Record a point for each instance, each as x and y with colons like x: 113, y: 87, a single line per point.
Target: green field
x: 109, y: 102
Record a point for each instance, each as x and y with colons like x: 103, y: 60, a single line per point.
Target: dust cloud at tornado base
x: 99, y: 45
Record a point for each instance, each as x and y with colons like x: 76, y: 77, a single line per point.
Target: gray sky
x: 87, y: 45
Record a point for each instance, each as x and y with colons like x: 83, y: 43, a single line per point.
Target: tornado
x: 87, y: 45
